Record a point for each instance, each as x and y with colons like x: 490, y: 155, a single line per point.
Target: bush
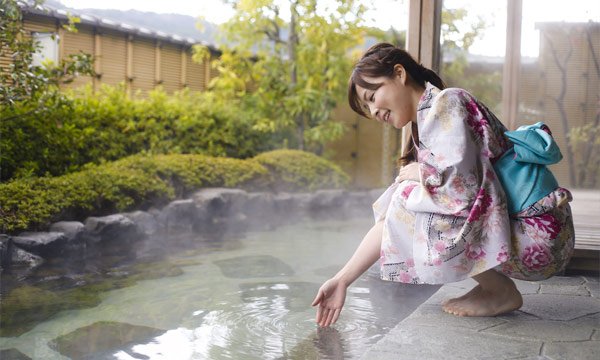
x: 293, y: 170
x: 143, y: 181
x: 86, y: 127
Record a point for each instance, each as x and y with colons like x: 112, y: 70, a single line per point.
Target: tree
x: 456, y: 42
x: 293, y: 72
x: 28, y: 92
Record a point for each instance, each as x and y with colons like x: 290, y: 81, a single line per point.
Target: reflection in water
x: 249, y: 302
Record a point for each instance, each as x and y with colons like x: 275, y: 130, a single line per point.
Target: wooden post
x: 207, y: 72
x: 183, y: 79
x: 61, y: 41
x: 97, y: 59
x: 423, y: 40
x: 129, y: 74
x: 512, y: 64
x: 157, y: 65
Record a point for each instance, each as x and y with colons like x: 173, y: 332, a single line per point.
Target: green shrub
x: 143, y: 181
x: 293, y: 170
x: 91, y: 127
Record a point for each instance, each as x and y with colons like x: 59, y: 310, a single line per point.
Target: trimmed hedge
x: 141, y: 181
x: 293, y: 170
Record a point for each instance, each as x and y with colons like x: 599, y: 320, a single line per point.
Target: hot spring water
x: 242, y: 297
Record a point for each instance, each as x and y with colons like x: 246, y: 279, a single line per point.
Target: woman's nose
x: 373, y: 110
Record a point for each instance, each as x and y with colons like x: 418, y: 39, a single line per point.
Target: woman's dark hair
x: 379, y: 61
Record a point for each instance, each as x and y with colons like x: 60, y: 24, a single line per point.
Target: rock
x: 327, y: 203
x: 358, y: 204
x: 112, y: 228
x: 22, y: 258
x: 289, y: 207
x: 73, y: 231
x: 180, y: 216
x: 6, y: 249
x: 12, y: 257
x: 220, y: 202
x: 145, y: 221
x: 44, y: 244
x: 260, y: 210
x: 223, y: 210
x: 13, y: 354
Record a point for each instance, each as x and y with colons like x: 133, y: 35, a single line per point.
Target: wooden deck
x: 586, y: 218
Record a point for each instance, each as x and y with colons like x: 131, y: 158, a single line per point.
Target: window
x: 47, y: 48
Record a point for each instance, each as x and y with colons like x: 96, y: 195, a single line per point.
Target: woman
x: 445, y: 217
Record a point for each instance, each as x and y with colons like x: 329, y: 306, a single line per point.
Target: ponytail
x: 432, y: 77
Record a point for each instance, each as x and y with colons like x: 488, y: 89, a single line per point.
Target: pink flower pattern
x: 545, y: 223
x: 482, y: 203
x: 536, y: 257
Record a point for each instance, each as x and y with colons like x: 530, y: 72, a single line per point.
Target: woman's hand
x: 409, y: 172
x: 330, y: 298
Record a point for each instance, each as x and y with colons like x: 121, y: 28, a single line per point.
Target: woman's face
x: 391, y: 103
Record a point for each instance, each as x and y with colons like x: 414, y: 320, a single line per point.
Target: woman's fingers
x: 323, y: 318
x: 318, y: 298
x: 336, y: 315
x: 330, y: 316
x: 326, y: 317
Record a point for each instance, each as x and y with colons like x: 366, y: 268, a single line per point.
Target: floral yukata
x: 453, y: 223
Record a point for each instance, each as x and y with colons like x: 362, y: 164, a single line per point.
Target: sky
x: 393, y: 13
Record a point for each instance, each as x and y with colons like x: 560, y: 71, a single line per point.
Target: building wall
x: 75, y: 43
x: 140, y: 62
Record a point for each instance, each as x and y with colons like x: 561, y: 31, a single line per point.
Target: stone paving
x: 560, y: 319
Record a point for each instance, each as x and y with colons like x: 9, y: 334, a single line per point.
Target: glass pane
x: 560, y: 82
x: 48, y: 48
x: 473, y: 38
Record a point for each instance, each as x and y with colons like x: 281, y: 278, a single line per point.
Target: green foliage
x: 34, y: 137
x: 458, y: 35
x: 292, y: 74
x: 107, y: 125
x: 143, y: 181
x: 293, y: 170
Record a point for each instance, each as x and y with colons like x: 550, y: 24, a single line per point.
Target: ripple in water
x: 274, y: 320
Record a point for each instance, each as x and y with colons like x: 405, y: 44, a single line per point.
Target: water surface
x: 243, y: 297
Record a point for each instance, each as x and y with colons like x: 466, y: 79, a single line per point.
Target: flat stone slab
x: 438, y: 342
x: 560, y: 307
x: 560, y: 319
x: 108, y: 338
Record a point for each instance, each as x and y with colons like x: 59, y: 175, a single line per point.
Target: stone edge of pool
x: 560, y: 319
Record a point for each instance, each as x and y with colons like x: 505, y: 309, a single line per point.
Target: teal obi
x: 522, y: 170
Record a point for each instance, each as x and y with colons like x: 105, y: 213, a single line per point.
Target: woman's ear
x: 400, y: 72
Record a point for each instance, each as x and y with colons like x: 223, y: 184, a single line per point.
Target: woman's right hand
x: 330, y: 298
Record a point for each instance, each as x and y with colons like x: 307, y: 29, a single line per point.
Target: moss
x: 142, y: 181
x: 26, y: 306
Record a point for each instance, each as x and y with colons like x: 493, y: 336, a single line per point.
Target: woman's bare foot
x: 496, y: 294
x: 472, y: 292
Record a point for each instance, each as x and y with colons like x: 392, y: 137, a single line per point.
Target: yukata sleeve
x: 450, y: 152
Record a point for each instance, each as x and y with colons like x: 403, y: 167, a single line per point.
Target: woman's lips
x: 386, y: 117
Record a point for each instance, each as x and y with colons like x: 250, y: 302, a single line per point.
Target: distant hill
x: 175, y: 24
